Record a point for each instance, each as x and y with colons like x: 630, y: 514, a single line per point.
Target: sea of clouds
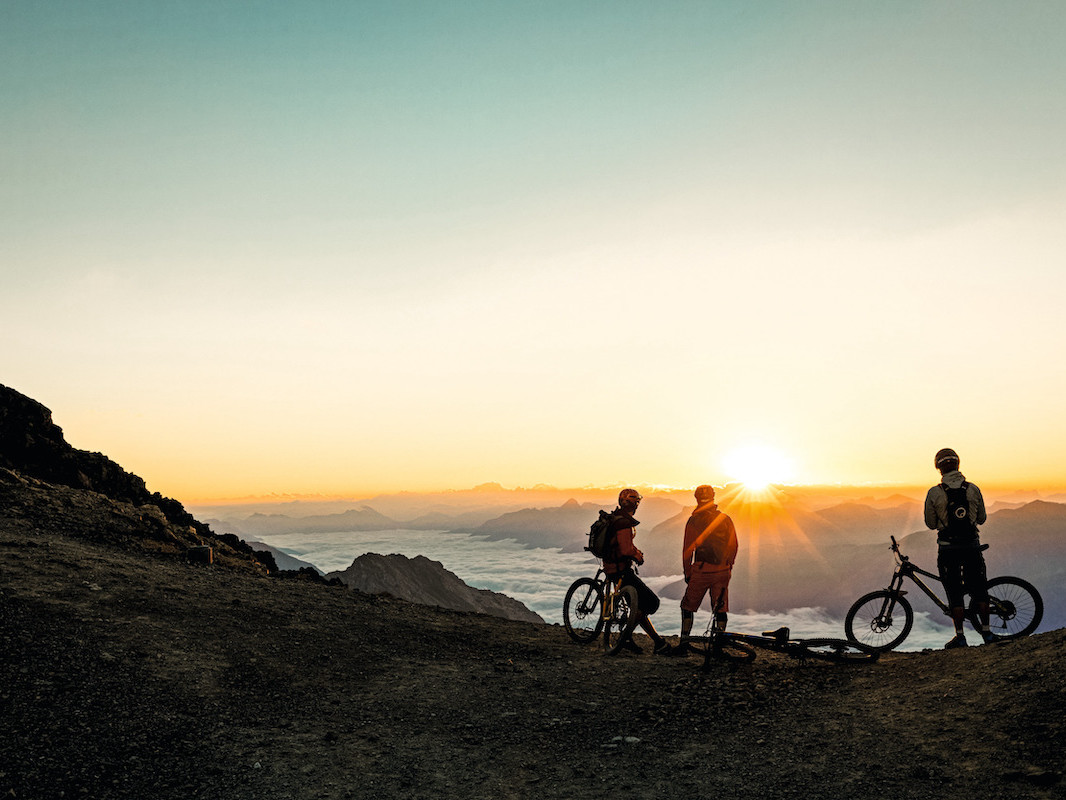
x: 539, y: 578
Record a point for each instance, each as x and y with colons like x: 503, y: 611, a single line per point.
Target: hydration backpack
x: 714, y: 541
x: 960, y: 528
x: 601, y: 537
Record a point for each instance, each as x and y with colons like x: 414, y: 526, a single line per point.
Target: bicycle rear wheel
x: 838, y: 651
x: 879, y: 620
x: 1015, y: 608
x: 623, y: 619
x: 583, y: 610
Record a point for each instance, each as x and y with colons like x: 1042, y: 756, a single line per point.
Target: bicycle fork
x: 895, y: 591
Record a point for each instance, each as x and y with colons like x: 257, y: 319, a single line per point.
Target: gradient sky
x: 342, y: 247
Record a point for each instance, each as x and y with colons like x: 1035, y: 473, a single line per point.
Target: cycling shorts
x: 704, y: 578
x: 962, y: 569
x: 647, y: 600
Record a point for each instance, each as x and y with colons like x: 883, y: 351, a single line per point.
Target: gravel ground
x: 130, y: 674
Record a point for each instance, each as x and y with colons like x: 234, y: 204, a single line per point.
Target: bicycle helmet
x: 945, y: 457
x: 704, y: 494
x: 629, y: 497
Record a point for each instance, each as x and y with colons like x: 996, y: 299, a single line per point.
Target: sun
x: 757, y: 466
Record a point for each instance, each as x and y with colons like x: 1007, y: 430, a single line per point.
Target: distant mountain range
x: 540, y: 526
x: 354, y: 519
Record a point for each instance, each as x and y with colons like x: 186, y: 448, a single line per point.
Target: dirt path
x: 139, y: 676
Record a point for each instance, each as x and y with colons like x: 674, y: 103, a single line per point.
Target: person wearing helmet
x: 619, y: 563
x: 954, y: 508
x: 707, y: 558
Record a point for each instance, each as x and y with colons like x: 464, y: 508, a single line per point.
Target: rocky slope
x: 45, y: 481
x: 420, y: 580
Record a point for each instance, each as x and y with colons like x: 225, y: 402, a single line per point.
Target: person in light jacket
x: 954, y: 508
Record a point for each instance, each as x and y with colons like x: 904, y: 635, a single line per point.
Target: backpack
x: 712, y: 547
x: 601, y: 537
x: 960, y: 528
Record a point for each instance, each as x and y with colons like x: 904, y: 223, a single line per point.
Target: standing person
x: 707, y: 558
x: 622, y: 554
x: 954, y: 508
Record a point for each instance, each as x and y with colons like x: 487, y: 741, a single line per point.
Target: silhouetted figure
x: 707, y: 558
x: 954, y: 508
x: 622, y: 554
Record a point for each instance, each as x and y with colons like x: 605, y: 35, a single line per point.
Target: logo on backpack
x: 601, y: 537
x: 960, y: 528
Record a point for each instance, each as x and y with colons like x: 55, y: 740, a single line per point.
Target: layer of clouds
x: 539, y: 578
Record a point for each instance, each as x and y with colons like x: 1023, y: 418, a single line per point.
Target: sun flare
x: 757, y: 466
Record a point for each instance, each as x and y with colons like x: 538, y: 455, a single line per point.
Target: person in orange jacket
x: 707, y: 558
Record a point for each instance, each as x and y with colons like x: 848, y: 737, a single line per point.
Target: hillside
x: 134, y: 675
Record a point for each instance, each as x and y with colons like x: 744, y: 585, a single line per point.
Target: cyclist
x: 954, y: 508
x: 622, y: 554
x: 707, y: 558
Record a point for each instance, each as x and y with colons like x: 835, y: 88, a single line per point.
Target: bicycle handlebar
x: 895, y: 549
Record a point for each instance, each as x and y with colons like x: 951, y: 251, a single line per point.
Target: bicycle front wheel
x: 879, y: 620
x: 620, y: 624
x: 724, y: 648
x: 1015, y: 608
x: 839, y: 651
x: 583, y: 610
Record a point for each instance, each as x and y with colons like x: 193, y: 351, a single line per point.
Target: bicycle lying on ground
x: 738, y: 647
x: 882, y: 619
x: 599, y: 604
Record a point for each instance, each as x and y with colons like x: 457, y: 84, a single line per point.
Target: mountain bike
x: 599, y: 604
x: 739, y: 647
x: 882, y: 619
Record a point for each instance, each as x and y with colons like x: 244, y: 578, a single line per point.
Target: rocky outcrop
x: 420, y: 580
x: 37, y: 506
x: 32, y: 445
x: 48, y: 486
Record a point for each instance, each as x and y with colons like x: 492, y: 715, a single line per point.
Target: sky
x: 336, y: 248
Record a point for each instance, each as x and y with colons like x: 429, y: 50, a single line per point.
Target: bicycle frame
x: 906, y: 569
x: 611, y: 589
x: 738, y: 647
x: 780, y: 640
x: 598, y: 596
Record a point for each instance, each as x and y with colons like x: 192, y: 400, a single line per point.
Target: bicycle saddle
x: 781, y: 634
